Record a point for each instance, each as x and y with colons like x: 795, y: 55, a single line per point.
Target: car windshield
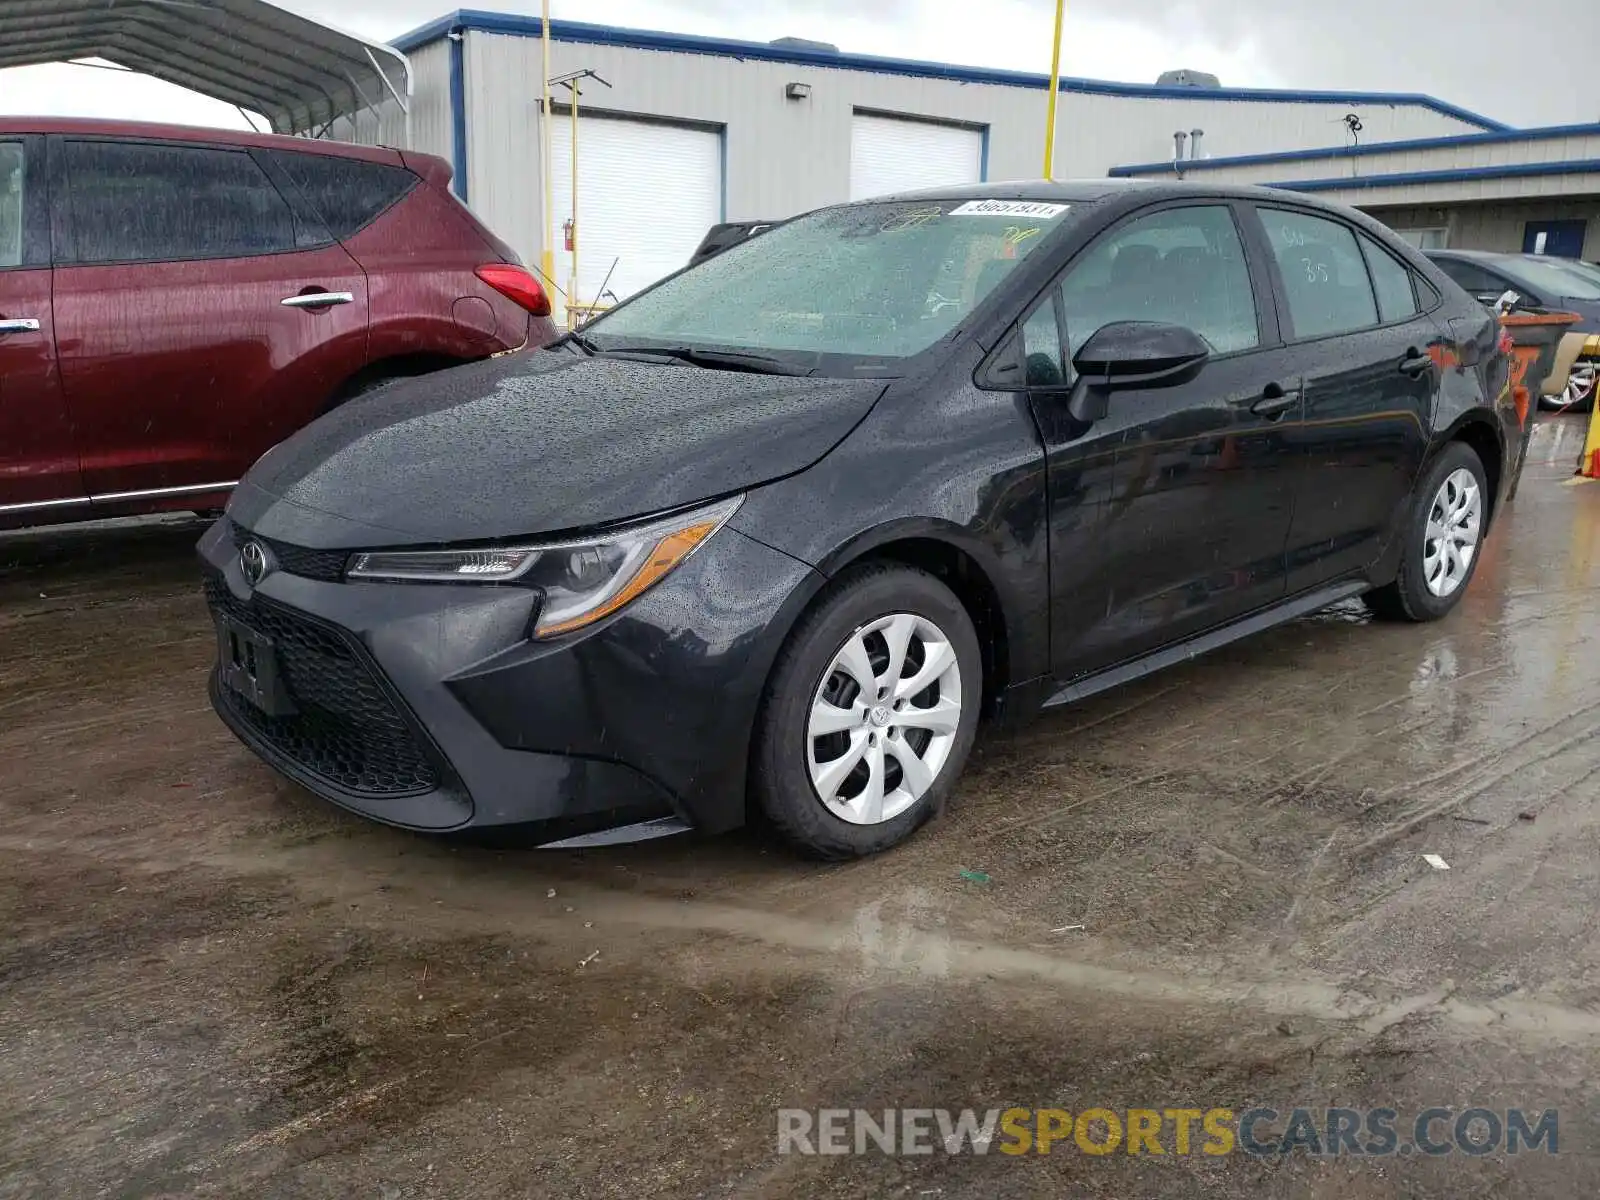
x: 1553, y: 278
x: 1586, y: 271
x: 865, y: 281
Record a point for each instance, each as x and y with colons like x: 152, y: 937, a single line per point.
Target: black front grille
x: 326, y: 565
x: 348, y: 731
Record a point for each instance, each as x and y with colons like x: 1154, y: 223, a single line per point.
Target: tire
x: 1579, y: 394
x: 1411, y: 597
x: 791, y: 755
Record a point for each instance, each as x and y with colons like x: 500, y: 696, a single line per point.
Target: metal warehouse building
x: 1534, y: 191
x: 690, y: 131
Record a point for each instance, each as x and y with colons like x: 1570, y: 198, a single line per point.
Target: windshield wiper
x: 574, y: 338
x: 730, y: 360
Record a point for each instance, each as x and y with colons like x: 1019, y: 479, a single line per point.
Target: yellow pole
x: 572, y: 283
x: 547, y: 259
x: 1589, y: 466
x: 1055, y: 87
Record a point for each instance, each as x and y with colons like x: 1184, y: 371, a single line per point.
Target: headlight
x: 582, y: 581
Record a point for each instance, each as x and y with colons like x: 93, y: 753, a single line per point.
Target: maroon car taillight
x: 518, y: 285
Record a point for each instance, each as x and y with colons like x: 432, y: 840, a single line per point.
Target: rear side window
x: 1397, y: 297
x: 11, y: 196
x: 347, y: 193
x: 137, y: 202
x: 1325, y: 280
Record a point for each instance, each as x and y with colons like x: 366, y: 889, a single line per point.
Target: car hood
x: 536, y: 444
x: 1589, y: 310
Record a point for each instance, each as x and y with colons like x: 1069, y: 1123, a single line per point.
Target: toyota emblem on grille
x: 255, y: 561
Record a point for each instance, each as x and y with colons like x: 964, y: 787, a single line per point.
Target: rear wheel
x: 870, y: 713
x: 1443, y: 536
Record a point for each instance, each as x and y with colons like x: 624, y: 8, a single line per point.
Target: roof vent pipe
x: 1194, y: 142
x: 1178, y: 139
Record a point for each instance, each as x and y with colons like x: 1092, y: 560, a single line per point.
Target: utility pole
x: 1055, y: 88
x: 547, y: 260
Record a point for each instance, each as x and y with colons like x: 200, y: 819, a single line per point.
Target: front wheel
x: 1578, y: 395
x: 1443, y: 537
x: 870, y: 713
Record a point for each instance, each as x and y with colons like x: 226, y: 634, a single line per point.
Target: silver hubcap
x: 1454, y: 524
x: 1579, y: 384
x: 883, y: 719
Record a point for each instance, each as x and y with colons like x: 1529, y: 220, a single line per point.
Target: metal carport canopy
x: 299, y: 74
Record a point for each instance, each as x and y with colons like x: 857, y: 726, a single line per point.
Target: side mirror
x: 1133, y: 354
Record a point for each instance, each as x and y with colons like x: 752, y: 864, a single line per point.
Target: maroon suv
x: 174, y: 302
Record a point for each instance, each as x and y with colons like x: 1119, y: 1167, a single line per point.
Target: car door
x: 1198, y: 498
x: 38, y: 461
x: 1351, y: 309
x: 201, y: 314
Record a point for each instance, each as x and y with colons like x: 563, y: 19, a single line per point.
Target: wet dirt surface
x: 213, y: 984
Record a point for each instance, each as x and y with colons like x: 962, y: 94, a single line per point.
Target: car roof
x: 1089, y: 191
x: 87, y: 127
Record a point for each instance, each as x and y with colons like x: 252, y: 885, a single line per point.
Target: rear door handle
x: 319, y: 300
x: 19, y: 325
x: 1276, y: 402
x: 1415, y: 364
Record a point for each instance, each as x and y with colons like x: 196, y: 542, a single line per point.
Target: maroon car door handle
x: 18, y: 325
x: 319, y: 299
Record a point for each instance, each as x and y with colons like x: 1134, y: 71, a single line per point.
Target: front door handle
x: 319, y: 300
x: 18, y: 325
x: 1415, y: 364
x: 1275, y: 402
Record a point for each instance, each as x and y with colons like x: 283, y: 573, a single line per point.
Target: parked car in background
x: 1544, y: 283
x: 772, y: 534
x: 175, y: 301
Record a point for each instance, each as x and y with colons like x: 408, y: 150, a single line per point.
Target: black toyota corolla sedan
x: 773, y: 535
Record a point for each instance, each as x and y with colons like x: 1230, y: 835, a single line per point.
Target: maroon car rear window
x: 348, y: 193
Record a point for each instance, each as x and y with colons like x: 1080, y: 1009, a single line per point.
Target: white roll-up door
x: 647, y: 194
x: 891, y: 154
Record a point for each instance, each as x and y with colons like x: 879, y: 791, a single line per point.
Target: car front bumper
x: 428, y: 707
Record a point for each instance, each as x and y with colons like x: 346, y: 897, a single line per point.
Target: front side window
x: 1325, y: 280
x: 1180, y: 266
x: 1397, y: 298
x: 135, y: 202
x: 11, y: 197
x: 875, y: 281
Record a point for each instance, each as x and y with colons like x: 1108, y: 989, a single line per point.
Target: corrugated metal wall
x: 1469, y: 191
x: 1495, y: 226
x: 1101, y: 132
x: 785, y: 156
x: 1461, y: 156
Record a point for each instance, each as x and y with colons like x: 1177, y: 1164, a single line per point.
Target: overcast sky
x: 1468, y: 52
